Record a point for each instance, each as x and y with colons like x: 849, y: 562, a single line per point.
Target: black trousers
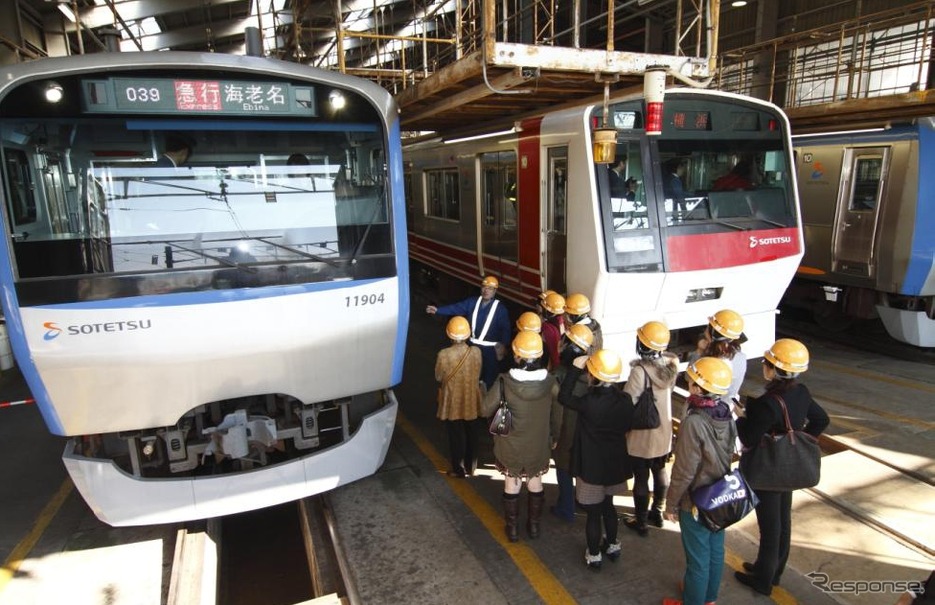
x: 463, y: 437
x: 774, y: 518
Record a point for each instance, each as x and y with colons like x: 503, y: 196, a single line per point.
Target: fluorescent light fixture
x: 738, y: 3
x: 66, y: 10
x: 838, y: 132
x: 481, y: 136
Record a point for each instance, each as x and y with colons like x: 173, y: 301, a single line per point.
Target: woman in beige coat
x: 649, y: 448
x: 458, y: 368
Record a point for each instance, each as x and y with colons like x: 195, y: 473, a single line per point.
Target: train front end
x: 215, y: 330
x: 704, y: 217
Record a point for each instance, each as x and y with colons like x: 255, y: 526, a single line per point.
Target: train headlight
x: 337, y: 100
x: 54, y: 92
x: 700, y: 294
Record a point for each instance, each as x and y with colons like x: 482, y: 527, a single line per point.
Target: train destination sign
x: 190, y: 96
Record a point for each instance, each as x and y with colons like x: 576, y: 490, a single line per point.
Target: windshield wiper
x: 219, y: 259
x: 731, y: 225
x: 373, y: 218
x: 298, y: 252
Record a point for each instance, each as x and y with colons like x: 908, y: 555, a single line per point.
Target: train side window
x: 865, y: 194
x: 442, y: 194
x: 22, y: 189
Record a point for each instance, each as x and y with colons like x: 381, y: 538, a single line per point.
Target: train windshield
x: 134, y: 185
x: 717, y: 167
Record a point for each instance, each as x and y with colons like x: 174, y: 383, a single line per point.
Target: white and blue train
x: 868, y: 217
x: 204, y: 275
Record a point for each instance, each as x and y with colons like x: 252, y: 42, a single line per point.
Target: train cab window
x: 627, y: 192
x: 22, y: 194
x: 100, y: 210
x: 442, y: 194
x: 865, y: 193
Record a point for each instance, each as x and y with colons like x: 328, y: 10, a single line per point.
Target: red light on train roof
x: 654, y: 91
x: 772, y: 125
x: 654, y: 118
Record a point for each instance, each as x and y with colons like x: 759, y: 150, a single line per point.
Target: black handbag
x: 783, y: 462
x: 502, y: 422
x: 645, y: 413
x: 724, y: 502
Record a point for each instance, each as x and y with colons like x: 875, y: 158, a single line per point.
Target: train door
x: 499, y: 211
x: 555, y: 239
x: 863, y: 178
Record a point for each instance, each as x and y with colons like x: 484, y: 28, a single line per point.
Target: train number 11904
x: 363, y: 300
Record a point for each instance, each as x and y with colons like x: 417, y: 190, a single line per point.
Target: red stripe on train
x: 718, y: 250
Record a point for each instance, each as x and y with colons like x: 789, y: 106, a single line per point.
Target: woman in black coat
x: 599, y: 459
x: 782, y: 364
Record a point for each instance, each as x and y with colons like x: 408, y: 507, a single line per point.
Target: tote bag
x: 724, y: 502
x: 783, y: 462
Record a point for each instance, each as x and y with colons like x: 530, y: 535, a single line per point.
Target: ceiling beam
x: 135, y: 10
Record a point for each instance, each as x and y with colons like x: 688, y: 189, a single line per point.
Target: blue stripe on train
x: 922, y: 255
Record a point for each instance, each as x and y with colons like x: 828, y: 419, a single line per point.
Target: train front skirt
x: 119, y: 499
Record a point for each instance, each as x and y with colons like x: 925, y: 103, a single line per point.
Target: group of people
x: 569, y: 404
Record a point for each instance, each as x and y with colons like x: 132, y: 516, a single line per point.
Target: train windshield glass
x: 718, y: 167
x: 229, y: 195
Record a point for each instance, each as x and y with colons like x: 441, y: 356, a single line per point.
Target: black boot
x: 659, y: 504
x: 638, y: 522
x: 754, y: 583
x: 511, y: 514
x: 536, y: 500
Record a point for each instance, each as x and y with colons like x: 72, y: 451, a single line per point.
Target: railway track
x: 281, y: 555
x: 862, y: 335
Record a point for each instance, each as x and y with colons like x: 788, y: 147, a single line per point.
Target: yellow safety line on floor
x: 22, y: 550
x: 779, y: 595
x: 545, y: 584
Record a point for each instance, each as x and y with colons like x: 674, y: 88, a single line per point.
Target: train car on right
x: 868, y: 209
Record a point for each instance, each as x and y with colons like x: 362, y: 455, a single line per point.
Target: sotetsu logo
x: 769, y: 241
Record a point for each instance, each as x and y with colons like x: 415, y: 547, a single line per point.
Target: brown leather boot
x: 511, y: 514
x: 536, y: 501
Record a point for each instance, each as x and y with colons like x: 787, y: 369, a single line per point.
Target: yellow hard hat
x: 529, y: 322
x: 458, y: 328
x: 727, y: 323
x: 581, y: 335
x: 577, y: 304
x: 527, y: 345
x: 490, y: 282
x: 711, y: 374
x: 554, y: 303
x: 788, y: 355
x: 654, y: 334
x: 605, y: 365
x: 543, y: 295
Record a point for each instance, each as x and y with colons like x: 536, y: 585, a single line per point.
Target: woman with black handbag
x: 655, y: 371
x: 702, y: 452
x: 524, y: 453
x: 782, y: 364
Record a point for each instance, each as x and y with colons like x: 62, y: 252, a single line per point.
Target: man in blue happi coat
x: 490, y: 326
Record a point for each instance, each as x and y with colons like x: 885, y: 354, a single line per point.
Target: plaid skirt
x: 588, y: 493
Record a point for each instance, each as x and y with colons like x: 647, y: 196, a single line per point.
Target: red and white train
x: 535, y: 207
